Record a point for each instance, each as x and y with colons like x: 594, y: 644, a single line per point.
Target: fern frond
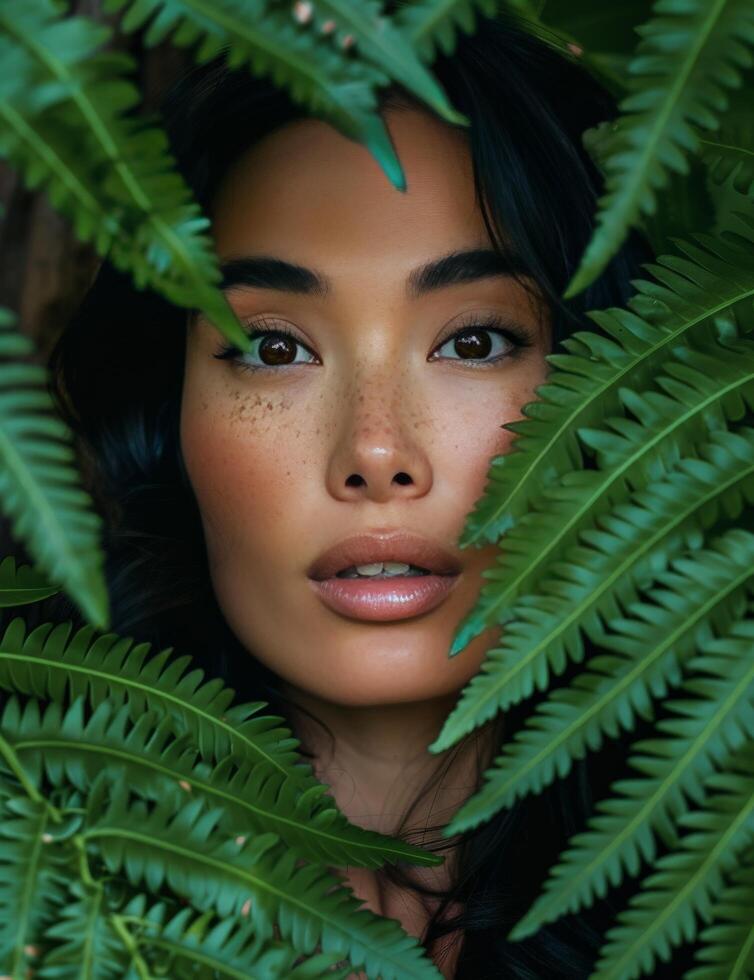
x: 710, y: 279
x: 40, y: 487
x: 379, y: 40
x: 715, y: 719
x: 145, y: 753
x: 307, y: 57
x: 596, y: 578
x: 702, y: 591
x: 729, y: 152
x: 68, y: 126
x: 688, y: 882
x: 299, y: 57
x: 433, y: 24
x: 22, y: 585
x: 48, y: 662
x: 34, y: 874
x: 727, y: 949
x: 255, y: 877
x: 691, y: 54
x: 85, y: 945
x: 701, y: 390
x: 205, y: 946
x: 726, y: 159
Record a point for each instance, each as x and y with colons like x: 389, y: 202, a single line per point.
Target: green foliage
x: 41, y: 490
x: 253, y: 754
x: 714, y: 718
x: 150, y: 826
x: 137, y: 774
x: 691, y: 53
x: 188, y: 945
x: 253, y: 877
x: 19, y: 586
x: 33, y: 882
x: 728, y: 950
x: 625, y: 580
x: 67, y: 124
x: 431, y: 25
x: 146, y: 754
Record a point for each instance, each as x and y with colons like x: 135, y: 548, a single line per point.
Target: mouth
x: 382, y: 570
x: 381, y: 578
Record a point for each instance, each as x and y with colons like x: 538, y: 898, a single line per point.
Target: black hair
x: 116, y: 375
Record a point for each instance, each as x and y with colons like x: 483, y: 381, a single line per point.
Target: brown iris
x: 277, y: 349
x: 473, y: 344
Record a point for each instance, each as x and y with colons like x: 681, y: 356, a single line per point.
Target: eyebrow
x: 469, y: 265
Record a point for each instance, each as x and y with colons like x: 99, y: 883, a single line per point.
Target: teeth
x: 374, y: 569
x: 395, y: 567
x: 385, y: 569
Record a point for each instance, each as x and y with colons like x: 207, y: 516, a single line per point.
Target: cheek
x: 245, y: 454
x: 469, y: 426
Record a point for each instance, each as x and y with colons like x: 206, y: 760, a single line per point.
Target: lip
x: 393, y: 545
x: 383, y: 600
x: 386, y: 599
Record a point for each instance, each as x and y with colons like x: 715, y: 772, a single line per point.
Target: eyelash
x: 490, y: 323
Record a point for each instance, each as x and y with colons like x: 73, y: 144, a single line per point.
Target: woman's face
x: 377, y: 419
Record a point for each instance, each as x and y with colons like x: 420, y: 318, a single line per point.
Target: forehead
x: 310, y: 194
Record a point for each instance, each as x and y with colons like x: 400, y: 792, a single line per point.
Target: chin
x: 386, y: 673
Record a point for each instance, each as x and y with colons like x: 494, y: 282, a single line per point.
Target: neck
x: 376, y: 762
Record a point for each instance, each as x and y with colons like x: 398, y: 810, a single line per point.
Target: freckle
x: 269, y: 405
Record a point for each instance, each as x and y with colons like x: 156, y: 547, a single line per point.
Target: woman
x: 290, y: 516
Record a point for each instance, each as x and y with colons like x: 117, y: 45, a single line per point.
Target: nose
x: 374, y: 456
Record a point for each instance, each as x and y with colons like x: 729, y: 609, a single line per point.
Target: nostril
x: 354, y: 480
x: 403, y: 478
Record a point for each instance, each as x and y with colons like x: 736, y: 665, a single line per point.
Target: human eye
x: 482, y: 336
x: 271, y: 348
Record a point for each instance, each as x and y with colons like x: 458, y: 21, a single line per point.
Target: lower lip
x: 384, y: 599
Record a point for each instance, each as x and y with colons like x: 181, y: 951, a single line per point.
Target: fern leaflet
x: 691, y: 52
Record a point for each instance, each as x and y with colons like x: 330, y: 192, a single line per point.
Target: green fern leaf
x: 65, y: 105
x: 603, y: 574
x: 729, y: 152
x: 34, y: 873
x: 305, y: 57
x: 727, y: 950
x: 207, y: 947
x: 40, y: 487
x: 22, y: 585
x: 712, y: 277
x: 328, y: 81
x: 85, y: 945
x: 688, y: 882
x: 704, y: 589
x: 726, y: 159
x: 254, y: 877
x: 691, y: 53
x: 49, y: 662
x: 144, y: 752
x: 378, y: 39
x: 433, y: 24
x: 714, y: 719
x: 700, y: 390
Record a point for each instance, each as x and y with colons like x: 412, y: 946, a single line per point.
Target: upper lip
x: 398, y: 545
